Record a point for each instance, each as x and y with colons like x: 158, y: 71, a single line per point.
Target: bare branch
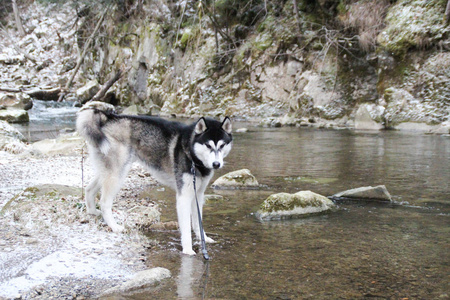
x: 217, y: 27
x: 17, y: 18
x: 83, y: 54
x: 102, y: 92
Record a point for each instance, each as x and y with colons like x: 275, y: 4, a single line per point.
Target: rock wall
x: 350, y: 63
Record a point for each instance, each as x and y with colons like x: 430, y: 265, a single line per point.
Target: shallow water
x: 48, y: 119
x: 361, y: 250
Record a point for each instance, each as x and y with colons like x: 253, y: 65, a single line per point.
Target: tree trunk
x: 297, y: 19
x: 17, y: 17
x: 447, y: 12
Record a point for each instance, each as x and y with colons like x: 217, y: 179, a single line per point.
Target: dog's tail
x: 90, y: 120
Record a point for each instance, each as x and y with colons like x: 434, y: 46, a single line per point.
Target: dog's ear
x: 200, y: 127
x: 226, y: 125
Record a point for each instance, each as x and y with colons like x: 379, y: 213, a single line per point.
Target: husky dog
x: 168, y: 149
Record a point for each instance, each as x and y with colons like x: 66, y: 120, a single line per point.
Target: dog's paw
x: 117, y: 228
x: 95, y: 212
x: 209, y: 240
x: 189, y: 252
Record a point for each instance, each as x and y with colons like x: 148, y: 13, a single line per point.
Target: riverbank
x: 50, y: 247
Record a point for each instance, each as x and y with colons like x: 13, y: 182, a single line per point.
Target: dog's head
x: 212, y: 141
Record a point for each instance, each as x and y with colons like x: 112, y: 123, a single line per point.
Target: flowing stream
x: 398, y: 250
x: 48, y: 119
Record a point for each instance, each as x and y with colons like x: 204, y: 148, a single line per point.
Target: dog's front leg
x: 195, y: 221
x: 184, y: 199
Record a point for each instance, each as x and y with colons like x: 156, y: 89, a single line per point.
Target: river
x: 363, y: 249
x: 396, y: 251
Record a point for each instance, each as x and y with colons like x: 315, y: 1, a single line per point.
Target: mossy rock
x: 14, y: 115
x: 263, y: 41
x: 288, y: 206
x: 189, y: 34
x: 23, y: 201
x: 11, y: 140
x: 412, y: 24
x: 237, y: 179
x: 377, y: 193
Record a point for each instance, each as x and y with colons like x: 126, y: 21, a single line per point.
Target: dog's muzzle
x: 216, y: 165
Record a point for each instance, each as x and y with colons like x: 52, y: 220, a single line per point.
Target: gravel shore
x: 49, y: 246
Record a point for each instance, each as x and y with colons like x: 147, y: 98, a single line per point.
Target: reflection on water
x: 360, y: 251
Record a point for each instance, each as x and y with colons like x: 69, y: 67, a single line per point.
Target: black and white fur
x: 166, y: 148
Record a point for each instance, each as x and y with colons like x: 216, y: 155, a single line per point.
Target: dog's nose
x: 216, y: 165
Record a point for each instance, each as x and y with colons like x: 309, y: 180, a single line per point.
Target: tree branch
x: 102, y: 92
x: 83, y: 54
x: 217, y: 27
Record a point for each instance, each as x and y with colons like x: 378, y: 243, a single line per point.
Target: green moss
x: 263, y: 41
x: 189, y: 35
x: 287, y: 202
x: 32, y: 190
x: 52, y: 194
x: 277, y: 202
x: 413, y: 24
x: 185, y: 38
x: 267, y: 24
x: 342, y: 8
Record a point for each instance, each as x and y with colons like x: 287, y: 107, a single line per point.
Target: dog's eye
x: 208, y: 146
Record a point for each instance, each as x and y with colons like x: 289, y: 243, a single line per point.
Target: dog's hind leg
x: 114, y: 175
x: 91, y: 191
x: 110, y: 187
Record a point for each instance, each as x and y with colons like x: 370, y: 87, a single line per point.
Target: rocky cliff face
x: 356, y: 63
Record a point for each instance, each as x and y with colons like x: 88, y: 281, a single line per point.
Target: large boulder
x: 16, y: 101
x: 138, y: 110
x: 366, y: 117
x: 237, y: 179
x: 444, y: 128
x: 68, y: 144
x: 140, y: 280
x: 88, y: 91
x: 11, y: 140
x: 288, y: 206
x: 379, y: 193
x: 45, y: 94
